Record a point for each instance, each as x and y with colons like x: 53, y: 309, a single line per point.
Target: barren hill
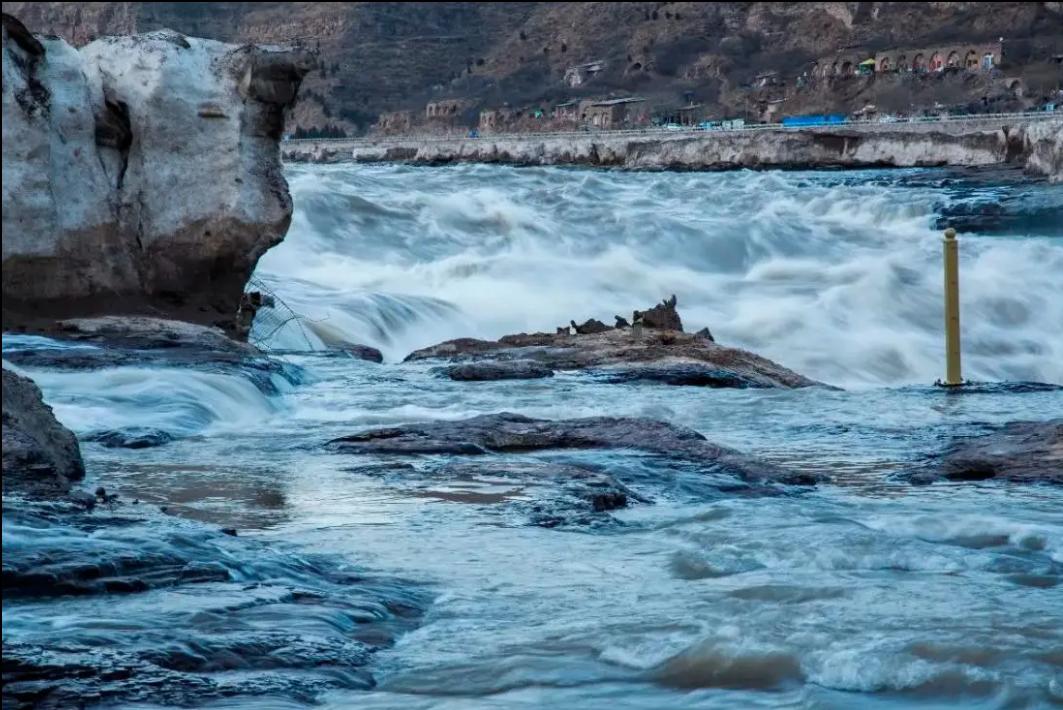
x: 755, y: 60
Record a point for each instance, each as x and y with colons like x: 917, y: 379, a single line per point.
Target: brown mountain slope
x: 378, y: 57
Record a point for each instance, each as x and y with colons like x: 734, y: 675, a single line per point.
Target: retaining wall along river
x: 1000, y: 140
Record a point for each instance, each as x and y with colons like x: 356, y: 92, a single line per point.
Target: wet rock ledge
x: 652, y: 347
x: 41, y: 456
x: 508, y: 433
x: 1019, y: 452
x: 116, y: 341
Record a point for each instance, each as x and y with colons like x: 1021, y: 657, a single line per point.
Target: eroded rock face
x: 40, y: 456
x: 508, y: 432
x: 1043, y: 143
x: 140, y: 174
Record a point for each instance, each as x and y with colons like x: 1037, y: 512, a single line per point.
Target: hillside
x: 754, y: 60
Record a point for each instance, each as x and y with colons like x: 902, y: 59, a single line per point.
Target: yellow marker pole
x: 953, y: 377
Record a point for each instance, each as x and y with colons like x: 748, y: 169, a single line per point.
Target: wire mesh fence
x: 270, y: 316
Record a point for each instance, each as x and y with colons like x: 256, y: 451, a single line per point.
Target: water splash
x: 835, y: 275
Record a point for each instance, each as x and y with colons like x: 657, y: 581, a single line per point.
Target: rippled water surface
x: 416, y: 590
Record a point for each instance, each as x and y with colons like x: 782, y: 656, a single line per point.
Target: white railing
x: 688, y: 131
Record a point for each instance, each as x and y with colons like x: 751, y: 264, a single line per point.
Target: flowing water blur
x: 865, y: 593
x: 836, y: 275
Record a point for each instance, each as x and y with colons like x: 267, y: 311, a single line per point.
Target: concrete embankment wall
x: 1035, y: 146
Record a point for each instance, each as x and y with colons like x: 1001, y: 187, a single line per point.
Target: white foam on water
x: 840, y: 281
x: 179, y: 401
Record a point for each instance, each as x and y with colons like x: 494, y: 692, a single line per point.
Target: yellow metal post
x: 953, y: 377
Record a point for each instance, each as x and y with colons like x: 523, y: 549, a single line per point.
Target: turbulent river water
x: 363, y: 583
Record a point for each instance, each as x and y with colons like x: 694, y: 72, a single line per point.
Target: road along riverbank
x: 1032, y: 142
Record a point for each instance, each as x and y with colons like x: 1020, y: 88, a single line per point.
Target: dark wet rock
x: 621, y: 322
x: 364, y: 352
x: 185, y: 675
x: 147, y: 333
x: 507, y: 432
x: 570, y: 495
x: 681, y: 374
x: 707, y: 334
x: 1020, y: 452
x: 706, y: 665
x: 1037, y: 581
x: 241, y: 619
x: 589, y: 327
x: 40, y: 455
x: 132, y: 438
x: 627, y: 349
x: 488, y: 371
x: 663, y: 316
x: 83, y: 499
x: 698, y: 564
x: 102, y: 496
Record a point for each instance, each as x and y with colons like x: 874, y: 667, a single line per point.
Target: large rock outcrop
x: 40, y: 454
x: 141, y: 174
x: 617, y: 355
x: 652, y: 349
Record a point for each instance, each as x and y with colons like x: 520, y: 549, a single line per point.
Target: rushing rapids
x: 606, y: 569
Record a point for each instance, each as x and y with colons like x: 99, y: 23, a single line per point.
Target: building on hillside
x: 983, y: 56
x: 611, y: 113
x: 581, y: 73
x: 567, y: 112
x: 690, y: 115
x: 394, y: 122
x: 445, y: 110
x: 494, y: 120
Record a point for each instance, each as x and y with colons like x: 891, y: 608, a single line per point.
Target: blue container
x: 815, y: 119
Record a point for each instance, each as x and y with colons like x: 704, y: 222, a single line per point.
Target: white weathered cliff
x: 1043, y: 144
x: 141, y: 174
